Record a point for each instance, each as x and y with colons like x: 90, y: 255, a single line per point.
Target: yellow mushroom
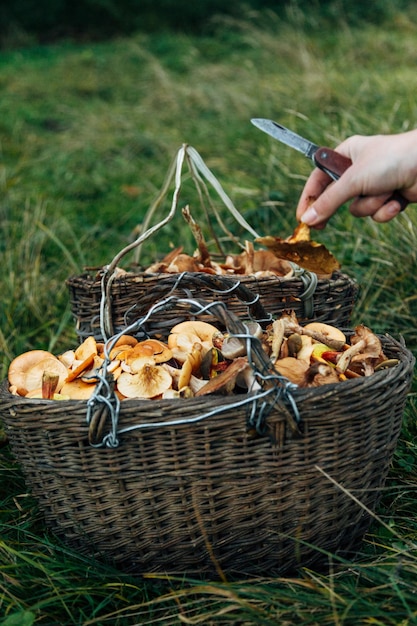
x: 184, y: 335
x: 149, y: 381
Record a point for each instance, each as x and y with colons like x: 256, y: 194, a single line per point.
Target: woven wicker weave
x: 207, y: 497
x: 130, y: 295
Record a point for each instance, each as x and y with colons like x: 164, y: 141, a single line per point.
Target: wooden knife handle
x: 334, y: 164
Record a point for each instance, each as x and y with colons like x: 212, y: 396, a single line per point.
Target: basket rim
x: 383, y: 377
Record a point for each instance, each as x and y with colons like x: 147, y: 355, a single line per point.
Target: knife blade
x: 328, y: 160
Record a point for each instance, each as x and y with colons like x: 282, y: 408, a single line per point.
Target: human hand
x: 381, y: 164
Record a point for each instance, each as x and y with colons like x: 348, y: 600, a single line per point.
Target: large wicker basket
x: 215, y: 486
x: 105, y: 300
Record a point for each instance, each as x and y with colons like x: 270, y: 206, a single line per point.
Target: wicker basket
x: 215, y: 486
x: 130, y: 295
x: 105, y: 300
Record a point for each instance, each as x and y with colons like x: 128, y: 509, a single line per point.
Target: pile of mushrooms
x: 259, y: 263
x: 198, y: 359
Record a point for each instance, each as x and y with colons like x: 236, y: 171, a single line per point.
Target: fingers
x: 376, y: 207
x: 314, y: 187
x: 320, y: 200
x: 318, y: 214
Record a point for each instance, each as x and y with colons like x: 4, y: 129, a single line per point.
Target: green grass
x: 87, y: 134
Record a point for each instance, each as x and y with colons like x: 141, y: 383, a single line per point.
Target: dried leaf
x: 299, y: 249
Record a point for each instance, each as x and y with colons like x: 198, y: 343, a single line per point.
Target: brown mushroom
x: 292, y: 368
x: 364, y: 340
x: 49, y: 385
x: 307, y: 347
x: 126, y: 340
x: 183, y: 263
x: 320, y: 374
x: 225, y: 382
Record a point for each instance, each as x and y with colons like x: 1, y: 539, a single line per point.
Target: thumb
x: 322, y: 209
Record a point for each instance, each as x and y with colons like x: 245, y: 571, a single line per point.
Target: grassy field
x: 87, y: 135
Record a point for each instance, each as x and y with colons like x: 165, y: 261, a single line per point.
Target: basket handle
x: 198, y: 170
x: 186, y: 282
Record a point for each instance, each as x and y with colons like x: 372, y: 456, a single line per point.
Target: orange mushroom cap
x: 27, y: 369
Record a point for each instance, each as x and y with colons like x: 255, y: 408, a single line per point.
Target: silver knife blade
x: 308, y: 148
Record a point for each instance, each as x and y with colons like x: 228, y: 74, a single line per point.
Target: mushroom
x: 326, y: 333
x: 80, y: 367
x: 211, y: 363
x: 49, y: 385
x: 292, y: 368
x: 185, y: 334
x: 278, y: 329
x: 232, y: 347
x: 21, y: 364
x: 294, y: 344
x: 126, y: 340
x: 50, y: 364
x: 150, y: 348
x: 225, y: 382
x: 257, y: 262
x: 363, y: 340
x: 307, y: 347
x: 91, y: 375
x: 150, y: 381
x: 122, y: 351
x: 86, y: 349
x: 183, y: 263
x: 194, y: 383
x: 320, y: 374
x: 190, y: 366
x: 161, y: 266
x: 67, y: 358
x: 77, y: 389
x: 318, y: 350
x: 170, y: 394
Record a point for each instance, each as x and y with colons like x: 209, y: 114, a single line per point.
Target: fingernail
x: 393, y: 208
x: 310, y: 217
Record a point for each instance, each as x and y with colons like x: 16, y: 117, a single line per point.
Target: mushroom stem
x: 49, y: 385
x: 278, y: 328
x: 292, y: 326
x: 344, y: 360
